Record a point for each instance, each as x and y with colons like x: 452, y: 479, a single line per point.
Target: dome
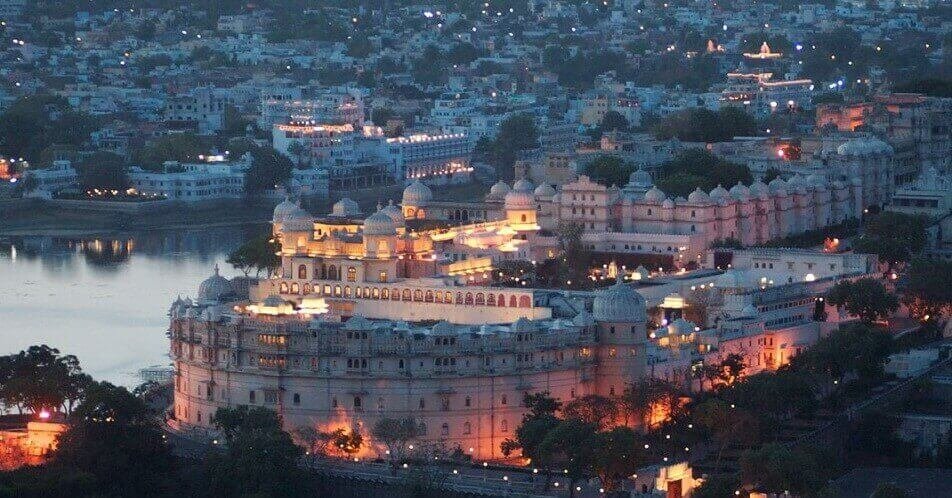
x: 739, y: 191
x: 357, y: 322
x: 732, y: 279
x: 298, y: 220
x: 557, y: 198
x: 395, y: 214
x: 619, y: 303
x: 655, y: 195
x: 379, y: 223
x: 213, y: 288
x: 818, y: 181
x: 749, y: 311
x: 864, y: 147
x: 523, y: 185
x: 544, y: 190
x: 583, y: 319
x: 759, y: 188
x: 719, y: 192
x: 640, y: 178
x: 498, y: 191
x: 667, y: 204
x: 345, y: 208
x: 681, y: 327
x: 417, y: 194
x: 698, y: 197
x: 777, y: 184
x: 519, y: 200
x: 273, y: 301
x: 523, y: 324
x: 281, y: 210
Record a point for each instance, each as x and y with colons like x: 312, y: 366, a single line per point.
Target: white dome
x: 417, y: 194
x: 345, y: 208
x: 281, y: 210
x: 523, y: 185
x: 212, y: 289
x: 655, y: 195
x: 518, y: 199
x: 667, y: 203
x: 544, y: 190
x: 759, y: 188
x: 681, y: 327
x: 498, y: 191
x: 379, y: 223
x: 733, y: 279
x: 864, y: 147
x: 698, y: 197
x: 395, y: 214
x: 739, y: 191
x: 640, y: 178
x: 719, y: 192
x: 298, y: 220
x: 619, y: 303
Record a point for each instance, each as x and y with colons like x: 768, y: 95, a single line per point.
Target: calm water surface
x: 105, y: 299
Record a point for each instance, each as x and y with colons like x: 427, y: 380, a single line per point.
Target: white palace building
x: 368, y: 318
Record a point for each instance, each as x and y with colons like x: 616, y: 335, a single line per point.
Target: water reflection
x: 105, y: 299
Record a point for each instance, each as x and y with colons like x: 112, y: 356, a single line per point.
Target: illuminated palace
x: 368, y: 318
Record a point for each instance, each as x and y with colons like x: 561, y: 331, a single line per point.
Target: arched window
x: 337, y: 290
x: 445, y: 429
x: 480, y: 299
x: 358, y: 292
x: 347, y: 291
x: 469, y: 298
x: 358, y: 403
x: 376, y: 293
x: 351, y: 274
x: 469, y: 401
x: 418, y: 295
x: 283, y: 288
x: 523, y: 218
x: 448, y: 298
x: 504, y: 425
x: 459, y: 298
x: 525, y: 302
x: 367, y: 292
x: 467, y: 428
x: 505, y: 399
x: 422, y: 403
x: 491, y: 300
x: 513, y: 301
x: 332, y: 272
x: 307, y: 288
x: 502, y: 301
x: 380, y: 404
x: 406, y: 294
x: 302, y: 272
x: 385, y: 293
x: 422, y: 429
x: 428, y: 297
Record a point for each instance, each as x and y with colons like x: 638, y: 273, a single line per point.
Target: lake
x: 106, y: 299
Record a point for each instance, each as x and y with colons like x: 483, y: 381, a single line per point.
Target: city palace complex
x: 397, y: 313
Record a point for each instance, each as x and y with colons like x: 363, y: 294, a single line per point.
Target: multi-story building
x: 215, y: 179
x: 200, y: 108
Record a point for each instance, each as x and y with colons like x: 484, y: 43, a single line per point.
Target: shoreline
x: 97, y: 231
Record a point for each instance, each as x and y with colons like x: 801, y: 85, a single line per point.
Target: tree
x: 536, y: 424
x: 894, y: 237
x: 573, y: 259
x: 649, y: 401
x: 260, y: 459
x: 592, y: 409
x: 888, y: 490
x: 609, y: 170
x: 726, y: 424
x: 926, y: 290
x: 854, y: 348
x: 570, y: 446
x: 516, y: 134
x: 180, y: 147
x: 396, y: 435
x: 693, y: 168
x: 775, y: 468
x: 617, y: 455
x: 865, y: 298
x: 716, y: 487
x: 614, y: 121
x: 40, y: 378
x: 730, y: 369
x: 113, y: 438
x: 269, y: 168
x: 258, y: 254
x: 103, y: 170
x: 703, y: 125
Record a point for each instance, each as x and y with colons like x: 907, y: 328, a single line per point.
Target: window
x: 302, y: 272
x: 445, y: 429
x: 504, y: 426
x: 469, y: 401
x: 351, y: 274
x: 297, y: 399
x: 251, y: 397
x: 505, y: 400
x: 358, y: 404
x: 422, y: 404
x: 467, y: 428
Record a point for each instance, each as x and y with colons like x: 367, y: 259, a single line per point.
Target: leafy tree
x: 888, y: 490
x: 570, y: 446
x: 516, y: 134
x: 727, y: 425
x: 775, y: 468
x: 617, y: 455
x: 693, y: 168
x: 260, y: 459
x: 851, y: 349
x: 380, y: 115
x: 894, y: 237
x: 614, y: 121
x: 573, y: 259
x: 268, y: 169
x: 35, y: 122
x: 180, y: 147
x: 113, y: 438
x: 865, y: 298
x: 643, y: 400
x: 41, y: 378
x: 926, y: 290
x: 770, y: 174
x: 592, y: 409
x: 536, y: 424
x: 716, y: 487
x: 103, y: 170
x: 609, y: 170
x: 703, y: 125
x: 396, y: 435
x: 258, y: 254
x: 934, y: 87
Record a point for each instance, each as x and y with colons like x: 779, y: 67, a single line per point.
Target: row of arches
x: 328, y: 272
x: 499, y: 300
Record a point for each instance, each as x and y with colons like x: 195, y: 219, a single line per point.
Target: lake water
x: 106, y: 299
